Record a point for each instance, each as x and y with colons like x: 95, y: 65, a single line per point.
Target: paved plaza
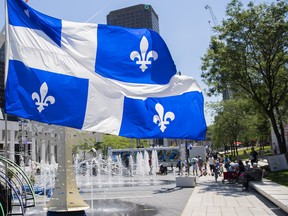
x: 214, y: 198
x: 159, y: 196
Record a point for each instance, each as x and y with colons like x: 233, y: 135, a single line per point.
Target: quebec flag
x: 100, y: 78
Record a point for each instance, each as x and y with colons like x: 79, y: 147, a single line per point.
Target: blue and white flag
x: 94, y: 77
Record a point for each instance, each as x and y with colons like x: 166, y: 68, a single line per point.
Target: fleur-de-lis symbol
x: 27, y: 13
x: 162, y: 119
x: 42, y: 100
x: 143, y: 59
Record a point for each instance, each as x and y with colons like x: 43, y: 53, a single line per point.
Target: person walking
x: 216, y: 170
x: 226, y: 162
x: 150, y: 165
x: 253, y: 156
x: 211, y: 165
x: 194, y: 165
x: 200, y: 164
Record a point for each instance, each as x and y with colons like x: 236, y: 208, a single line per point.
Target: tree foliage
x: 108, y: 141
x: 118, y: 142
x: 249, y: 56
x: 84, y: 146
x: 236, y: 120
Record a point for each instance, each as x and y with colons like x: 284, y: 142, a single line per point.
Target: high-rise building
x: 138, y: 16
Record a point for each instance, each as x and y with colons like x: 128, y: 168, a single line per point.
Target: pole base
x: 75, y: 213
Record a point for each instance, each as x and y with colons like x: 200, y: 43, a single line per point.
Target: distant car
x: 239, y: 144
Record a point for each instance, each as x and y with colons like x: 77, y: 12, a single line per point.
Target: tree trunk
x: 279, y: 132
x: 283, y: 148
x: 231, y: 148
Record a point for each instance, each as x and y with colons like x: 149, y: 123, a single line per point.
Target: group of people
x: 245, y: 171
x: 195, y: 165
x: 216, y: 165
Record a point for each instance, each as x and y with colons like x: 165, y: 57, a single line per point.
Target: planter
x: 186, y: 181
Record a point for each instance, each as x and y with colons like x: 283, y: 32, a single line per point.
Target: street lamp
x: 23, y: 139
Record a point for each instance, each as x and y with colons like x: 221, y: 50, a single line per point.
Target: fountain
x: 98, y: 175
x: 94, y: 178
x: 110, y: 173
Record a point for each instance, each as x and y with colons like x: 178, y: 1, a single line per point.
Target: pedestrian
x: 221, y: 169
x: 150, y: 165
x: 247, y: 165
x: 253, y: 156
x: 179, y: 166
x: 241, y: 168
x: 216, y: 170
x: 211, y: 165
x: 194, y: 165
x: 215, y: 155
x: 226, y: 162
x: 254, y: 174
x: 200, y: 164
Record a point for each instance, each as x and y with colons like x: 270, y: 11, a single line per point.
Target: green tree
x: 218, y: 135
x: 118, y: 142
x: 115, y: 142
x: 230, y: 121
x: 236, y: 120
x: 85, y: 146
x: 249, y: 56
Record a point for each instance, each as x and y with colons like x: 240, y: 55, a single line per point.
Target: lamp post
x: 187, y: 157
x: 23, y: 148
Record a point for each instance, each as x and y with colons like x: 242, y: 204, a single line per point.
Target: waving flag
x: 96, y: 77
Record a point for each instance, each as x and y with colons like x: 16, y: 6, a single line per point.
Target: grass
x: 241, y: 153
x: 279, y: 177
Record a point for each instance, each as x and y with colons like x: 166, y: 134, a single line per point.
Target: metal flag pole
x: 6, y: 149
x: 6, y: 165
x: 66, y: 196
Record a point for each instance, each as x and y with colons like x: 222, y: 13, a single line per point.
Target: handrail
x: 19, y: 181
x: 2, y: 210
x: 23, y: 174
x: 3, y: 176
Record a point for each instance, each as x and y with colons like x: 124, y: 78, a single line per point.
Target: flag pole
x: 7, y: 50
x: 6, y: 43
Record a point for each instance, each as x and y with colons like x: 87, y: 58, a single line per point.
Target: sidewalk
x: 214, y: 198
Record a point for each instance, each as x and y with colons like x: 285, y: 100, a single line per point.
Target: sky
x: 185, y: 26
